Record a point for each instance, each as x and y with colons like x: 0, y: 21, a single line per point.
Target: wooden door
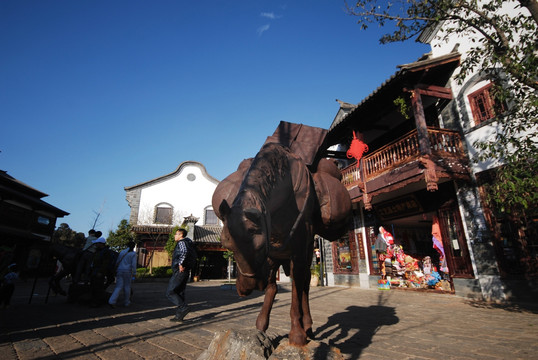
x: 454, y: 242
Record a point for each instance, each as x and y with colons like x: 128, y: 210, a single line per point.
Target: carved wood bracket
x: 430, y: 173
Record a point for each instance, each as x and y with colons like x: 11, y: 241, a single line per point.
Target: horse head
x: 246, y: 233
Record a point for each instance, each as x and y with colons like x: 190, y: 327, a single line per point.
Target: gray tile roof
x: 207, y: 234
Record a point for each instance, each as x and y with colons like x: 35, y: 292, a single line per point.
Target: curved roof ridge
x: 175, y: 172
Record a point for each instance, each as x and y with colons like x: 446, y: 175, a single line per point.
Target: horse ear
x: 224, y: 208
x: 253, y: 214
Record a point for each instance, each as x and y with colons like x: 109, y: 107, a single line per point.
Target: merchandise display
x: 405, y: 271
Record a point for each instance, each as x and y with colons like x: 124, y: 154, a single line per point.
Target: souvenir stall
x: 402, y: 270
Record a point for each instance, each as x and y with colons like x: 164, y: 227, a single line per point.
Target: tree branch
x: 532, y: 6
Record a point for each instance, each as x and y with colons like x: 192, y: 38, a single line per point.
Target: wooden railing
x: 444, y: 143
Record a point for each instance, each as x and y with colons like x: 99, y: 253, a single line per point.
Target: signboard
x: 362, y: 254
x: 401, y: 207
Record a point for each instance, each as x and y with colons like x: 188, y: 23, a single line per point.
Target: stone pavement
x: 365, y: 324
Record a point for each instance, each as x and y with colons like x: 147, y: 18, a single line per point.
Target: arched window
x: 163, y: 214
x: 210, y: 218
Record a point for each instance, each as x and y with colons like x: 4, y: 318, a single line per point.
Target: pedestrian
x: 84, y: 263
x: 100, y: 266
x: 180, y: 274
x: 125, y: 271
x: 8, y: 285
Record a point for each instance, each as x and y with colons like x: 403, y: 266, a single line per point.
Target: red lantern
x: 356, y: 149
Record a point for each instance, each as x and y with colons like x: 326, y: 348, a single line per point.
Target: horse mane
x: 268, y: 168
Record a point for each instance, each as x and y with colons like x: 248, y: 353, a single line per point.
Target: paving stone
x: 174, y: 346
x: 32, y: 349
x: 365, y: 324
x: 148, y: 351
x: 64, y: 346
x: 7, y: 350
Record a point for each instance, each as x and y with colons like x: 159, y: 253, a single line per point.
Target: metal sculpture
x: 272, y: 207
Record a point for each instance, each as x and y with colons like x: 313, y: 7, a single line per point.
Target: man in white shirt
x: 125, y: 271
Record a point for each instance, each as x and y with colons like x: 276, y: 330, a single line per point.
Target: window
x: 43, y: 220
x: 163, y: 214
x: 210, y: 217
x: 484, y: 105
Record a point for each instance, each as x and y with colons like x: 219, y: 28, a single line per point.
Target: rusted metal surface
x: 302, y: 140
x: 271, y: 208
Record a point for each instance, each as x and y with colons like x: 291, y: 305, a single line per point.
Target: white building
x: 182, y: 197
x: 168, y: 199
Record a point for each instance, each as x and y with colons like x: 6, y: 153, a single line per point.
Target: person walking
x: 84, y: 263
x: 101, y: 262
x: 180, y: 274
x: 7, y: 287
x: 125, y: 270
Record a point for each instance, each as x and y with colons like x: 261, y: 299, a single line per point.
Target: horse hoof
x: 297, y: 339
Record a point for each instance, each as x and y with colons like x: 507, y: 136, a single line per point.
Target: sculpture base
x: 256, y: 345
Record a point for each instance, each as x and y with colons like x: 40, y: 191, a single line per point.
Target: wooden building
x: 417, y: 178
x: 412, y: 174
x: 27, y: 224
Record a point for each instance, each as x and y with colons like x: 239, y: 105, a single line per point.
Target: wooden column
x: 430, y: 175
x: 420, y: 122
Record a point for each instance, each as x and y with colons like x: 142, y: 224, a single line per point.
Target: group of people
x: 93, y: 269
x: 181, y: 267
x: 98, y: 266
x: 125, y: 270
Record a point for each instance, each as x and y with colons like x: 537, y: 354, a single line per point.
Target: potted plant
x: 199, y: 267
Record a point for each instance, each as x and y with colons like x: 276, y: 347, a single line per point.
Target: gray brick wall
x: 133, y: 199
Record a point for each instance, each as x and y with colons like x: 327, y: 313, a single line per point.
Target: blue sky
x: 99, y: 95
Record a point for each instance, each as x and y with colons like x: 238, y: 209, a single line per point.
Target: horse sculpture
x: 271, y: 208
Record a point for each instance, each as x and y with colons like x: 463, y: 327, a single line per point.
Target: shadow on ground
x: 353, y: 330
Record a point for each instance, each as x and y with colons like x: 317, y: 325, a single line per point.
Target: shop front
x: 425, y: 245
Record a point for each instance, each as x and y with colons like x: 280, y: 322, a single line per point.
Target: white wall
x: 187, y: 197
x: 441, y: 46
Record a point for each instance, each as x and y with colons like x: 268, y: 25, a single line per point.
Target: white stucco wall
x: 441, y: 46
x: 463, y: 42
x: 186, y: 197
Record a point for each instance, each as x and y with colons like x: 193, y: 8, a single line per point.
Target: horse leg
x: 297, y: 334
x: 305, y: 305
x: 262, y: 322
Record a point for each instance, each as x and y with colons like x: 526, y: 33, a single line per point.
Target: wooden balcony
x: 445, y: 158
